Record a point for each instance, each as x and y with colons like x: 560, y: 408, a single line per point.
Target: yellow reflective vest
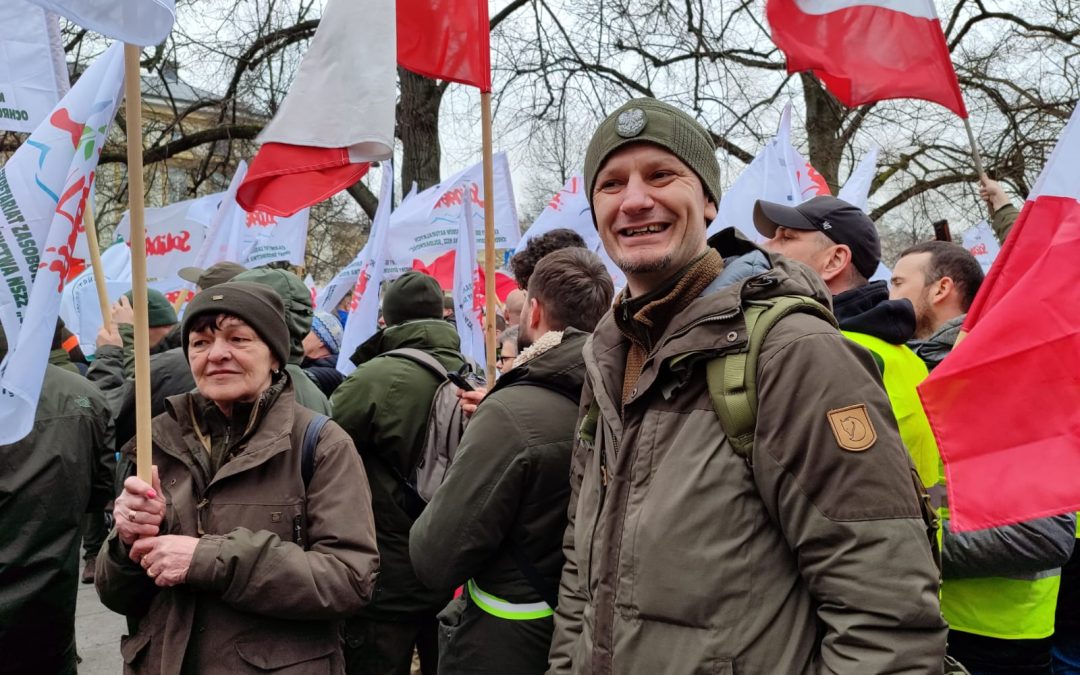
x: 998, y: 607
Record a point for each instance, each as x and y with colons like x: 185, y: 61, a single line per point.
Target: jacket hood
x: 424, y: 334
x: 744, y: 260
x: 868, y: 310
x: 562, y: 367
x: 297, y: 300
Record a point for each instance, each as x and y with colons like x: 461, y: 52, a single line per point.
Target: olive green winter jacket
x: 685, y: 558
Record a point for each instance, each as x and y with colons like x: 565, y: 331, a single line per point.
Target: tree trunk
x: 418, y: 129
x: 824, y: 119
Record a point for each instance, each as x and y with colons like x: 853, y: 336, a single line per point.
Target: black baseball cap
x: 836, y: 219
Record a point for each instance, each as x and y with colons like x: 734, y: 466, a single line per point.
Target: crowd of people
x: 723, y: 467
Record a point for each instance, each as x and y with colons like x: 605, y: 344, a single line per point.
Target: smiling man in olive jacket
x: 496, y: 523
x: 809, y: 555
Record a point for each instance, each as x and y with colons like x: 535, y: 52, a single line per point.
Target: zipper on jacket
x: 199, y: 517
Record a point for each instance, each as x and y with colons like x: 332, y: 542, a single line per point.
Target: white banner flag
x: 778, y: 174
x: 856, y: 191
x: 982, y: 243
x: 363, y: 318
x: 467, y: 312
x: 33, y: 72
x: 570, y: 209
x: 427, y: 225
x: 139, y: 22
x: 44, y: 189
x: 79, y: 307
x: 174, y: 235
x: 328, y: 297
x: 252, y: 238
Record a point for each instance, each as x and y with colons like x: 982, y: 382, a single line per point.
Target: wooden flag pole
x: 133, y: 94
x: 978, y: 159
x: 95, y: 264
x: 489, y: 236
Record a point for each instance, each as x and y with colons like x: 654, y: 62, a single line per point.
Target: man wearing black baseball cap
x: 834, y: 238
x: 840, y: 244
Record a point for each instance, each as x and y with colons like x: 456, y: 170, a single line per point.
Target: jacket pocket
x: 133, y: 649
x: 284, y: 654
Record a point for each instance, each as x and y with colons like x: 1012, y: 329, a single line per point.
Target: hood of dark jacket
x: 935, y: 348
x: 868, y: 310
x: 561, y: 368
x: 423, y: 334
x: 297, y: 299
x: 744, y: 260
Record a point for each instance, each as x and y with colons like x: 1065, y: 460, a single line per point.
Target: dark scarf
x: 643, y: 320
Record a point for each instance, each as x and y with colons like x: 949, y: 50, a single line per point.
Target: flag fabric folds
x: 363, y: 318
x: 445, y: 40
x: 468, y: 303
x: 778, y: 174
x: 569, y: 208
x: 1005, y: 405
x: 44, y: 189
x: 868, y: 50
x: 337, y: 116
x: 33, y: 73
x: 138, y: 22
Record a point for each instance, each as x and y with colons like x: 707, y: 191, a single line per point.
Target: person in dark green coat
x: 48, y: 480
x: 384, y: 406
x: 496, y: 523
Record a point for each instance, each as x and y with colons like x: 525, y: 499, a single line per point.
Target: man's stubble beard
x: 645, y: 266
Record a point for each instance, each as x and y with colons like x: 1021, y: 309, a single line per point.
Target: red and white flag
x: 44, y: 189
x: 339, y: 113
x: 337, y: 117
x: 1005, y: 404
x: 868, y: 50
x: 445, y: 40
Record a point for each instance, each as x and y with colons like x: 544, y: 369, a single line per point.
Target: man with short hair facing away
x: 1001, y: 584
x: 809, y: 553
x: 496, y: 523
x: 840, y: 244
x: 384, y: 406
x: 515, y: 302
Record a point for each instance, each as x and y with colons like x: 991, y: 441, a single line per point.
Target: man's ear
x: 839, y: 257
x: 536, y: 311
x: 710, y: 212
x: 943, y: 290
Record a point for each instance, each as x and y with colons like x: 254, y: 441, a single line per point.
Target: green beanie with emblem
x: 159, y: 311
x: 647, y: 120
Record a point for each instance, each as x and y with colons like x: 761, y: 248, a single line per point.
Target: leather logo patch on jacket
x: 852, y: 428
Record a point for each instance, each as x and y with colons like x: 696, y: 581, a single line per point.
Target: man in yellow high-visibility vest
x: 1000, y: 585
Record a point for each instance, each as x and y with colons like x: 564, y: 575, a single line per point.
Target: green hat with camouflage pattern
x: 647, y: 120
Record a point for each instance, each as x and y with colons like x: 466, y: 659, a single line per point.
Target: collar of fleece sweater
x: 643, y: 319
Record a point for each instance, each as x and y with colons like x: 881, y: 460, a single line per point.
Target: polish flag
x: 338, y: 116
x: 1005, y: 405
x: 868, y: 50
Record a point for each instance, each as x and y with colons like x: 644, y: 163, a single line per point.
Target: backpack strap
x: 311, y: 439
x: 732, y: 377
x: 420, y: 358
